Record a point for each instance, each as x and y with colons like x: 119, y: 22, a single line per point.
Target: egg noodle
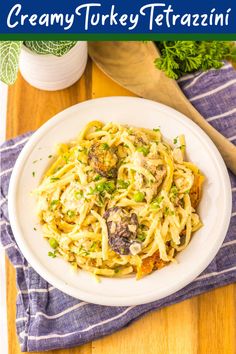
x: 119, y: 200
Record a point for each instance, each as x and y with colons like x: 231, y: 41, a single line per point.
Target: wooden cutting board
x: 202, y: 325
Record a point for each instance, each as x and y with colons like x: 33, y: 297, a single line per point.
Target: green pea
x: 139, y: 196
x: 106, y: 186
x: 100, y: 187
x: 53, y: 243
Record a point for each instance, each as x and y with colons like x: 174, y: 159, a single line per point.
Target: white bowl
x: 215, y: 206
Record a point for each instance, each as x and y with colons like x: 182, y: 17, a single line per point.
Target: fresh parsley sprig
x: 182, y: 57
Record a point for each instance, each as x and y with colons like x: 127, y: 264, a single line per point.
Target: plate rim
x: 98, y: 298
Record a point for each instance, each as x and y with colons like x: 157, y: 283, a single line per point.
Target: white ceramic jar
x: 51, y: 73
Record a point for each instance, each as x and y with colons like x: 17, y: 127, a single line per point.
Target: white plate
x: 215, y: 206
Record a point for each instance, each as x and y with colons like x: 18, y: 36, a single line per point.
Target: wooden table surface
x: 205, y: 324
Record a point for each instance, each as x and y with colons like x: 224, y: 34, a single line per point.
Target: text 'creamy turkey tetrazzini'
x: 119, y: 200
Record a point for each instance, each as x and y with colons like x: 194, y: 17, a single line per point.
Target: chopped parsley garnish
x: 84, y: 150
x: 110, y: 174
x: 143, y: 149
x: 156, y: 129
x: 86, y: 253
x: 33, y: 174
x: 97, y: 178
x: 49, y: 156
x: 122, y: 184
x: 101, y: 200
x: 167, y: 211
x: 92, y: 248
x: 52, y: 254
x: 78, y: 194
x: 53, y: 203
x: 71, y: 213
x: 53, y: 179
x: 80, y: 249
x: 35, y: 161
x: 141, y: 237
x: 66, y: 158
x: 57, y: 169
x: 174, y: 190
x: 157, y: 201
x: 175, y: 140
x: 105, y: 146
x: 81, y: 161
x: 116, y: 270
x: 83, y: 251
x: 187, y: 191
x: 35, y: 229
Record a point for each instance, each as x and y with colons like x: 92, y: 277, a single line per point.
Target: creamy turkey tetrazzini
x: 119, y: 200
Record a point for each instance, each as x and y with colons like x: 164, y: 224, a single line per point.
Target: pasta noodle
x: 119, y: 200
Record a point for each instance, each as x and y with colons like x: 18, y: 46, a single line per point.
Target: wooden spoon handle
x: 226, y: 148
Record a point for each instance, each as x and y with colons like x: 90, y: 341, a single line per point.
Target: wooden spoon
x: 131, y: 64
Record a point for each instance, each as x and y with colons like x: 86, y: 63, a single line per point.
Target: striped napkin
x: 46, y: 317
